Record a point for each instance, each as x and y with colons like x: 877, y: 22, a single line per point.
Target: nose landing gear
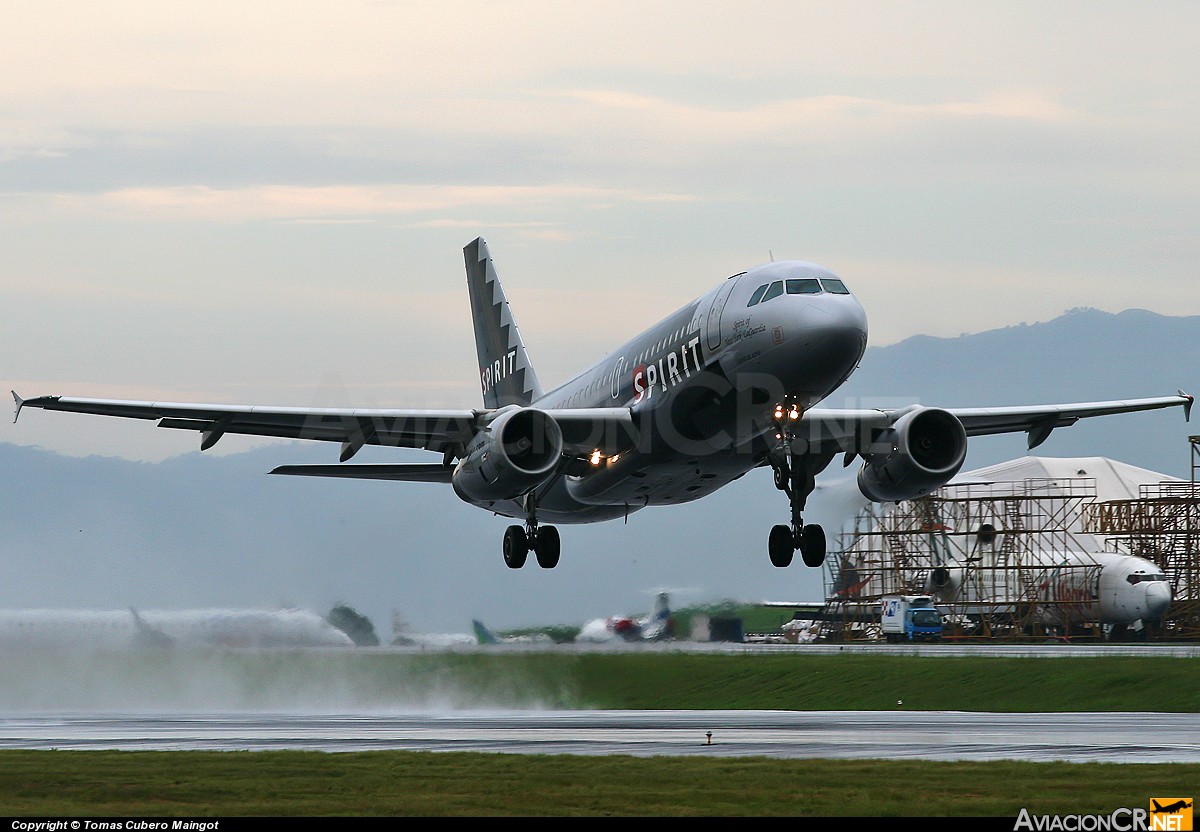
x: 796, y: 468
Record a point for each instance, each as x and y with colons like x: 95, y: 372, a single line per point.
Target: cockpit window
x: 796, y: 286
x: 803, y: 286
x: 1152, y: 576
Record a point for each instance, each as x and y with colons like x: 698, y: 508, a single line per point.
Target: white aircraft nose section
x: 1158, y: 598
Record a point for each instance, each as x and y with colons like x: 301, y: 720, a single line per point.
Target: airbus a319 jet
x: 726, y: 384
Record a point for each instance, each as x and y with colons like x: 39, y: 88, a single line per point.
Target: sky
x: 265, y: 203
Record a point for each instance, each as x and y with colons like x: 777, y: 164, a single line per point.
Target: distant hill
x: 198, y: 530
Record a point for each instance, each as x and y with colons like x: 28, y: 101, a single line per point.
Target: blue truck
x: 910, y: 618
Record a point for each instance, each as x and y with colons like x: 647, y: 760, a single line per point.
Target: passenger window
x: 775, y: 291
x: 803, y: 286
x: 757, y: 296
x: 834, y: 286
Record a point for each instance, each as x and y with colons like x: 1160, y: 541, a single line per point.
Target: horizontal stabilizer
x: 397, y: 472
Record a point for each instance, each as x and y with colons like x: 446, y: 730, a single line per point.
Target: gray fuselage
x: 702, y: 386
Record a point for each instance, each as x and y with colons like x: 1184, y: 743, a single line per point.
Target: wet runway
x: 930, y: 735
x: 338, y: 701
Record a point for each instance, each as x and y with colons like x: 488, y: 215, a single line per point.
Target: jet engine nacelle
x: 519, y: 450
x: 945, y: 582
x: 928, y: 447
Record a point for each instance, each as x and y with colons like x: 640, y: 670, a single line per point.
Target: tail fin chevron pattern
x: 505, y: 373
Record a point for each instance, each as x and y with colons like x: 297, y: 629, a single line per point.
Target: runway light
x: 596, y: 457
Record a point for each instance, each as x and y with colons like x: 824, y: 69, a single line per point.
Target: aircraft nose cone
x: 845, y: 330
x: 1158, y: 598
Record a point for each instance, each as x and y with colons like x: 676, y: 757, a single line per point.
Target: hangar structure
x: 1035, y: 547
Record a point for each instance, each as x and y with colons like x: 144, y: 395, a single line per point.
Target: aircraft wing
x: 433, y: 430
x: 1039, y: 421
x: 607, y: 429
x: 855, y: 430
x: 584, y: 429
x: 395, y: 472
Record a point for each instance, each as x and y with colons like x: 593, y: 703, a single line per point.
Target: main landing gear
x: 796, y: 471
x: 519, y: 541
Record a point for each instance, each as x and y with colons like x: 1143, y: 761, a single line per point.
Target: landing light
x: 790, y: 413
x: 596, y: 457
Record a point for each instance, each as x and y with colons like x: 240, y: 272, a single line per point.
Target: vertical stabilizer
x: 482, y: 634
x: 658, y: 626
x: 505, y: 373
x: 662, y: 607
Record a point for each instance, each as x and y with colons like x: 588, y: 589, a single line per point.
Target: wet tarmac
x: 929, y: 735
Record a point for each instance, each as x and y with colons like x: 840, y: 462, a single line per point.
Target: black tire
x: 812, y: 545
x: 547, y: 547
x: 780, y: 546
x: 516, y: 547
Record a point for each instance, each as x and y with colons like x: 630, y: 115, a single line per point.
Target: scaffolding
x: 1163, y: 526
x: 1015, y: 560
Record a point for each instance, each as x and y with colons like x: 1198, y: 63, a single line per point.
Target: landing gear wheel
x: 812, y: 545
x: 546, y: 547
x: 516, y: 547
x: 780, y: 546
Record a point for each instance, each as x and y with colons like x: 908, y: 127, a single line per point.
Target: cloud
x: 328, y: 202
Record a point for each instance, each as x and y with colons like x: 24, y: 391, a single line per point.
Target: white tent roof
x: 1114, y: 480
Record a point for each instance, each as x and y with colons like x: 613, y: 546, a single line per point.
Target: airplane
x: 654, y: 627
x: 131, y: 629
x: 1170, y: 808
x: 1115, y: 590
x: 483, y: 635
x: 726, y: 384
x: 404, y: 635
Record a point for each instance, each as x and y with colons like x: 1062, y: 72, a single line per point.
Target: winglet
x: 1187, y: 406
x: 20, y: 403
